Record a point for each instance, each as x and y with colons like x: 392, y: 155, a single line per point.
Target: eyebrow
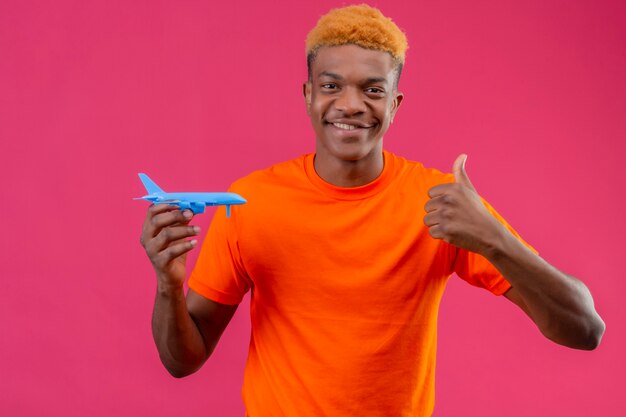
x: 371, y: 80
x: 374, y: 80
x: 331, y: 75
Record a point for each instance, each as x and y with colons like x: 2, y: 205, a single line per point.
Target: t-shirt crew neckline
x: 351, y: 193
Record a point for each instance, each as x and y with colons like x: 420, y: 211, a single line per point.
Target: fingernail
x: 194, y: 242
x: 196, y: 229
x: 187, y: 214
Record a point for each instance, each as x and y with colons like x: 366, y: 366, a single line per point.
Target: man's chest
x: 342, y: 252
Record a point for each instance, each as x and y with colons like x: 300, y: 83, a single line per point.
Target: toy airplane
x: 196, y: 202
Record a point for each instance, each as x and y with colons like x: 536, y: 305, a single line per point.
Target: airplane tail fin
x: 150, y: 185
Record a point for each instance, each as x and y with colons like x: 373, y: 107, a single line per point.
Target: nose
x: 350, y: 102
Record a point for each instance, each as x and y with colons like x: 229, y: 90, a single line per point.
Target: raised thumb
x: 458, y: 169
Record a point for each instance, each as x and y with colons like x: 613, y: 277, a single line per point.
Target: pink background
x: 198, y: 94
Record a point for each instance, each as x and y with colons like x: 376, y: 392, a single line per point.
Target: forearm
x: 560, y: 305
x: 178, y: 340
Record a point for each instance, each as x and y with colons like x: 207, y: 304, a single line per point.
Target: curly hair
x: 360, y: 25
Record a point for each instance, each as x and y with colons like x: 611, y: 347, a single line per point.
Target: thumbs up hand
x: 456, y: 214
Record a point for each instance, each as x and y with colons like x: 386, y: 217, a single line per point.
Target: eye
x: 329, y: 86
x: 374, y: 90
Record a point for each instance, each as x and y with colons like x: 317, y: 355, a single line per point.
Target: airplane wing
x: 195, y: 206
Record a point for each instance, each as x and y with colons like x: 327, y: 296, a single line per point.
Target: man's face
x: 351, y: 100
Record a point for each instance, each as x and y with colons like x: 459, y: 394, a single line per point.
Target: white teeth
x: 344, y: 126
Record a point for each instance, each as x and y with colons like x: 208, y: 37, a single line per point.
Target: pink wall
x: 198, y: 94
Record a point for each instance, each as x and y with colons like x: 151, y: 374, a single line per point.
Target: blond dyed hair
x: 360, y: 25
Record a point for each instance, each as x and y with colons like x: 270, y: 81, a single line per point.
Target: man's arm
x: 560, y: 305
x: 185, y: 331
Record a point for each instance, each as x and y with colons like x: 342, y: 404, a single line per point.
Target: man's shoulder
x: 417, y: 171
x: 278, y: 174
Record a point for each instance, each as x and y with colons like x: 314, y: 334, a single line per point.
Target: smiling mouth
x: 345, y: 126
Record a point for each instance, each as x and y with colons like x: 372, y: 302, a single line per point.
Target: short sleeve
x: 477, y: 270
x: 219, y: 273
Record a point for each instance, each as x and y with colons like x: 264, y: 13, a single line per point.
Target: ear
x: 306, y: 91
x: 396, y: 104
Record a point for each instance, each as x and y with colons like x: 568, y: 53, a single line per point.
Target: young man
x: 347, y: 276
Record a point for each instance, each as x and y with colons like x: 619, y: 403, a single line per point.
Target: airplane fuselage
x: 195, y: 202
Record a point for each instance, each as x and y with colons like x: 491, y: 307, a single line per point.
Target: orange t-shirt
x: 346, y: 285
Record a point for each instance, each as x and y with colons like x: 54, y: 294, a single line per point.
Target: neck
x: 348, y: 173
